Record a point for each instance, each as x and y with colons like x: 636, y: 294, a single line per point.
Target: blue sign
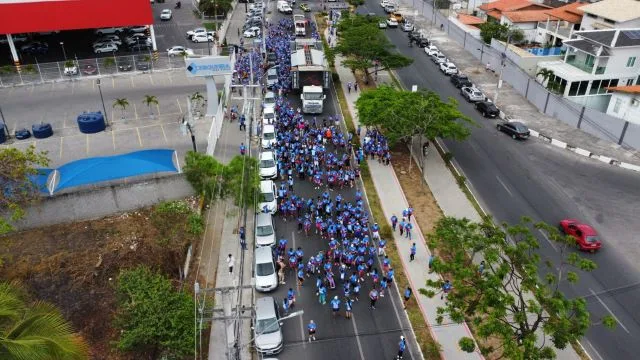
x: 208, y: 66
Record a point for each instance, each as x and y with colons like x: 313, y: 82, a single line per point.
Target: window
x: 595, y: 86
x: 589, y: 60
x: 629, y: 82
x: 638, y: 81
x: 609, y: 21
x: 631, y: 61
x: 616, y: 106
x: 573, y: 90
x: 582, y: 90
x: 592, y: 16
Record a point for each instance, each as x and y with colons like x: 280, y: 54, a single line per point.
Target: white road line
x: 609, y: 310
x: 179, y: 106
x: 593, y: 349
x: 135, y: 110
x: 549, y: 241
x: 355, y: 329
x: 503, y: 185
x: 299, y: 294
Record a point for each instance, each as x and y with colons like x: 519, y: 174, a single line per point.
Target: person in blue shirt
x: 285, y: 306
x: 390, y: 274
x: 407, y: 230
x: 383, y: 285
x: 348, y: 304
x: 291, y: 296
x: 401, y: 226
x: 402, y: 346
x: 322, y: 294
x: 356, y: 291
x: 407, y: 296
x: 301, y: 276
x: 446, y: 288
x: 312, y: 330
x: 335, y: 305
x: 394, y: 222
x: 412, y: 253
x: 243, y: 149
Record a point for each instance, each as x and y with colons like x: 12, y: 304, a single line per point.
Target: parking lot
x: 142, y: 127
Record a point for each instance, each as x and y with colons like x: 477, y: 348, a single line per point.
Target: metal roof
x: 588, y: 46
x: 622, y: 37
x: 616, y: 10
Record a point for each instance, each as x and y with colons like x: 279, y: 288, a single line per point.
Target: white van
x: 266, y: 278
x: 269, y: 203
x: 268, y: 136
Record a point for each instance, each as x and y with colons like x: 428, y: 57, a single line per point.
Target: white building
x: 596, y: 60
x: 611, y: 14
x: 625, y: 103
x: 560, y: 24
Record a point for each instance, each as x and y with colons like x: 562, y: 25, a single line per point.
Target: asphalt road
x: 530, y: 178
x: 371, y: 334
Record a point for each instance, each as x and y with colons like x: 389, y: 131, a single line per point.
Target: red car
x: 586, y: 237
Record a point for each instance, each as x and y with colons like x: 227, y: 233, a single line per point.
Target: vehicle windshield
x: 272, y: 77
x: 264, y: 230
x: 592, y: 239
x: 268, y: 136
x: 264, y: 269
x: 267, y: 326
x: 477, y: 93
x: 269, y: 100
x: 265, y: 164
x: 313, y: 96
x: 520, y: 128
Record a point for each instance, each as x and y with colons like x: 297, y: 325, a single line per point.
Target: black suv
x: 487, y: 109
x: 460, y: 81
x: 422, y: 42
x: 415, y: 35
x: 35, y: 47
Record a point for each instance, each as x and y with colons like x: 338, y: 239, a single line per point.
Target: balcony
x: 563, y: 31
x: 580, y: 64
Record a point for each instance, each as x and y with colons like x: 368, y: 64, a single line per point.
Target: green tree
x: 545, y: 74
x: 404, y: 114
x: 17, y: 168
x: 150, y: 100
x: 215, y: 7
x: 154, y: 319
x: 516, y: 296
x: 242, y: 180
x: 123, y: 104
x: 363, y: 44
x: 35, y: 330
x: 492, y: 29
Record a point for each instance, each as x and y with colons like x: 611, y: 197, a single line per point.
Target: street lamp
x: 64, y: 53
x: 186, y: 126
x: 106, y: 120
x: 4, y: 123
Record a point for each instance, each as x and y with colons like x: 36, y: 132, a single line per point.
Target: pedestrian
x: 243, y: 125
x: 322, y: 294
x: 359, y: 130
x: 432, y: 258
x: 402, y: 346
x: 312, y: 330
x: 381, y: 248
x: 481, y: 268
x: 349, y: 86
x: 291, y: 296
x: 446, y: 288
x: 243, y: 149
x: 355, y: 86
x: 394, y: 222
x: 412, y: 254
x: 243, y: 238
x: 373, y: 296
x: 281, y: 268
x: 356, y: 291
x: 401, y: 226
x: 383, y: 285
x: 335, y: 305
x: 238, y: 31
x: 407, y: 230
x: 230, y: 261
x: 407, y: 296
x: 348, y: 304
x: 409, y: 213
x: 285, y: 305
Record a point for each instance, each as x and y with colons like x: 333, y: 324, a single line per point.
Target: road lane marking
x: 504, y: 186
x: 549, y: 241
x: 113, y: 138
x: 31, y: 90
x: 592, y: 348
x: 355, y: 329
x: 135, y: 110
x: 609, y: 310
x: 164, y: 134
x: 113, y: 82
x: 299, y: 294
x: 133, y: 85
x: 139, y: 137
x: 179, y: 106
x: 151, y: 79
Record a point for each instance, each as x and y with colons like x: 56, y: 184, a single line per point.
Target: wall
x: 629, y: 110
x: 617, y: 64
x: 588, y: 24
x: 596, y: 102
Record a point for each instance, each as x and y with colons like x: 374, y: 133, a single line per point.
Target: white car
x: 201, y: 37
x: 438, y: 58
x: 382, y: 25
x: 385, y: 3
x: 269, y: 203
x: 252, y: 32
x: 269, y: 101
x: 101, y: 43
x: 109, y: 31
x: 71, y: 70
x: 136, y: 38
x: 138, y: 29
x: 266, y: 277
x: 267, y: 332
x: 472, y: 94
x: 113, y: 38
x: 431, y: 50
x: 407, y: 26
x: 269, y: 116
x: 199, y: 30
x: 268, y: 136
x: 179, y: 51
x: 105, y: 48
x: 448, y: 68
x: 392, y: 23
x: 166, y: 14
x: 268, y: 165
x: 272, y: 77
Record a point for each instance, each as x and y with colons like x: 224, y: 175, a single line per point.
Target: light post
x: 502, y: 65
x: 186, y: 126
x: 4, y: 123
x: 106, y: 120
x: 64, y: 53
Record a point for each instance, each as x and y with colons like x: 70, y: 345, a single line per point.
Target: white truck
x: 310, y: 74
x: 300, y: 24
x: 312, y: 99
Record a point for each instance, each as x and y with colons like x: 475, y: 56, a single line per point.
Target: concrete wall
x: 96, y: 202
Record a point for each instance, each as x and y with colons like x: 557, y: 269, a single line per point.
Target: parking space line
x: 31, y: 90
x: 113, y: 82
x: 135, y: 110
x: 179, y: 106
x: 132, y: 83
x: 61, y: 145
x: 151, y: 79
x: 164, y: 134
x: 113, y: 139
x: 158, y: 107
x: 64, y: 119
x: 170, y: 78
x: 139, y: 137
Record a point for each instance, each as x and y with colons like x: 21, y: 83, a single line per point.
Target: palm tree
x: 546, y: 74
x: 122, y: 103
x: 35, y: 331
x: 150, y: 100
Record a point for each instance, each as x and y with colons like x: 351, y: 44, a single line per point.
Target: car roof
x: 263, y: 255
x: 264, y: 219
x: 266, y: 185
x: 266, y: 155
x: 268, y: 128
x: 265, y: 308
x: 586, y: 229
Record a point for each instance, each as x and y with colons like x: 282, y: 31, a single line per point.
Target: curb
x: 575, y: 149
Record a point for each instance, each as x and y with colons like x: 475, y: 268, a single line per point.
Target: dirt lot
x: 74, y: 267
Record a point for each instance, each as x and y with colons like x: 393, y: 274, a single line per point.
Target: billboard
x: 23, y: 16
x: 208, y: 66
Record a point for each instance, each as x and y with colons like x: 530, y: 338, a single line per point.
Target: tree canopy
x: 17, y: 167
x: 403, y: 114
x: 362, y: 43
x: 155, y: 320
x: 238, y: 179
x: 35, y: 331
x: 502, y: 32
x: 513, y: 296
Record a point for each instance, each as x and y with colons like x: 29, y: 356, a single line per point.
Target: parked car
x: 407, y: 26
x: 459, y: 80
x: 431, y: 50
x: 415, y: 34
x: 392, y: 23
x: 516, y: 129
x: 487, y: 109
x: 422, y: 42
x: 382, y: 24
x: 438, y: 58
x: 89, y: 69
x: 398, y: 16
x: 252, y: 32
x: 138, y: 29
x: 472, y: 94
x: 104, y: 42
x: 268, y: 193
x: 267, y: 332
x: 269, y: 101
x: 199, y: 30
x: 166, y: 14
x: 179, y: 51
x: 265, y: 231
x: 385, y: 3
x: 268, y: 136
x: 35, y: 47
x: 139, y: 47
x: 113, y: 38
x: 272, y: 77
x: 125, y: 66
x: 71, y: 70
x: 105, y: 48
x: 266, y: 277
x: 586, y: 237
x: 269, y: 116
x: 389, y: 9
x: 268, y: 165
x: 201, y: 37
x: 137, y: 38
x: 448, y: 68
x: 109, y: 31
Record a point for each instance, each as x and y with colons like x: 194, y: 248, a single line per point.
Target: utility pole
x: 502, y: 64
x: 4, y: 123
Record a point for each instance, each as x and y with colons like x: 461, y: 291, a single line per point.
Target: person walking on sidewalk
x: 243, y: 149
x: 243, y: 238
x: 407, y: 296
x: 230, y: 260
x: 243, y: 123
x: 407, y: 230
x: 335, y: 305
x: 312, y: 330
x: 412, y: 252
x: 401, y: 226
x: 402, y: 346
x: 432, y: 258
x: 383, y: 285
x: 349, y: 86
x: 394, y: 222
x: 446, y: 288
x: 381, y: 248
x: 355, y: 86
x: 409, y: 213
x: 373, y: 296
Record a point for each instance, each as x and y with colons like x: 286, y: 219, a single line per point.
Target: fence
x: 589, y: 120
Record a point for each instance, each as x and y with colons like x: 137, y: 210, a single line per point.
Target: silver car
x: 267, y: 332
x: 265, y: 232
x: 471, y: 94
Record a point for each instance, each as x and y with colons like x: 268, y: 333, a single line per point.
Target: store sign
x: 208, y: 66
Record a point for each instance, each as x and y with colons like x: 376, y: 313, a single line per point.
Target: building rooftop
x: 613, y: 37
x: 469, y: 19
x: 588, y: 47
x: 523, y: 16
x: 631, y: 89
x: 570, y: 12
x: 495, y: 9
x: 617, y: 10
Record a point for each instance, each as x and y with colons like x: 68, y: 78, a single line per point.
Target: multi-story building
x: 560, y: 23
x: 594, y: 61
x: 611, y: 14
x: 521, y: 14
